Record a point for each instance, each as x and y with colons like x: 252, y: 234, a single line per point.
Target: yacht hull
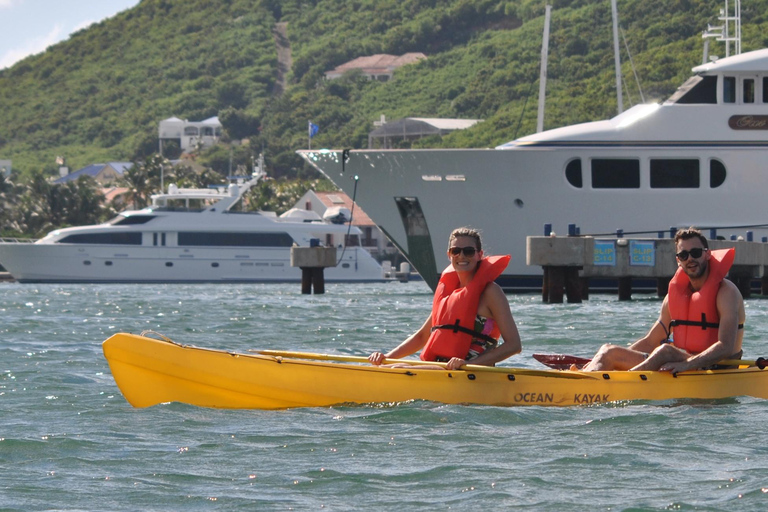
x: 62, y: 263
x: 417, y: 197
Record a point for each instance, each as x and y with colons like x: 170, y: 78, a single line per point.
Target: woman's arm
x: 412, y: 344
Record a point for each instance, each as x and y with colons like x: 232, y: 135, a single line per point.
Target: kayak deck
x: 150, y: 371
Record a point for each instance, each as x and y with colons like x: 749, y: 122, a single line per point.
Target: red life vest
x: 694, y: 314
x: 454, y: 308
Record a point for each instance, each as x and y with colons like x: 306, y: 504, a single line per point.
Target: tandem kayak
x: 151, y: 371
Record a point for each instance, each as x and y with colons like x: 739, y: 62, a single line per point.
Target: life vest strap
x: 703, y: 325
x: 458, y: 328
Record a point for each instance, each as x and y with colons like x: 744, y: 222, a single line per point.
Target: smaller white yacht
x: 187, y: 236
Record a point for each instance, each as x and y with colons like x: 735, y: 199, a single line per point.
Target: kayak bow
x: 150, y: 371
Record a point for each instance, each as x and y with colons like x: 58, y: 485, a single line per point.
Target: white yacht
x: 189, y: 235
x: 700, y: 158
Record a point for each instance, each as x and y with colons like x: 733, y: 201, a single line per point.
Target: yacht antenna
x: 543, y: 76
x: 729, y: 31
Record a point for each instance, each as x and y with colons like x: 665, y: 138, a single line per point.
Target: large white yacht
x: 189, y: 235
x: 700, y: 158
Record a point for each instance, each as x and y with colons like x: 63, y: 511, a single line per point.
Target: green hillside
x: 100, y: 95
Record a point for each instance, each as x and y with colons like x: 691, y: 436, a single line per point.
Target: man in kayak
x: 469, y: 312
x: 703, y: 311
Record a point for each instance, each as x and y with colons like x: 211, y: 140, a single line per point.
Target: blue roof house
x: 102, y: 173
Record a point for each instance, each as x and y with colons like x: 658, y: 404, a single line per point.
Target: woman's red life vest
x: 695, y: 320
x: 454, y: 309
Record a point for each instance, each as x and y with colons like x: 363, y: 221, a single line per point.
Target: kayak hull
x: 150, y: 371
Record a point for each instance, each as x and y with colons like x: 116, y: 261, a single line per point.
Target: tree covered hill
x: 100, y: 95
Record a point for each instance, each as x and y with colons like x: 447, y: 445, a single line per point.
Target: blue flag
x: 313, y: 129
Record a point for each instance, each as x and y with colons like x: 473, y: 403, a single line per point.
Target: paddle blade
x: 561, y: 361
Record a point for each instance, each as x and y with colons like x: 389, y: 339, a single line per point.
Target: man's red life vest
x: 694, y: 315
x: 457, y: 306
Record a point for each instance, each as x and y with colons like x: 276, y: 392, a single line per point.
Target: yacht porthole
x: 168, y: 263
x: 86, y: 262
x: 108, y: 263
x: 519, y: 203
x: 214, y: 264
x: 345, y: 265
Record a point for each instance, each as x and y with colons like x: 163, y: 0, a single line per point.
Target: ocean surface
x: 69, y: 441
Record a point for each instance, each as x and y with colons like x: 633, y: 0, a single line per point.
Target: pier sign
x: 605, y: 253
x: 642, y: 253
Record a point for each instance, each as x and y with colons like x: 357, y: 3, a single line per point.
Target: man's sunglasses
x: 695, y: 253
x: 468, y: 251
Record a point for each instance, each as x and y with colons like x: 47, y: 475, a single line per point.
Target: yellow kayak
x: 150, y: 371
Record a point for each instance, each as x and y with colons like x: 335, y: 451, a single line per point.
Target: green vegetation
x: 100, y: 95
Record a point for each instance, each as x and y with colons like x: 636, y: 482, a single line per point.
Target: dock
x: 569, y: 262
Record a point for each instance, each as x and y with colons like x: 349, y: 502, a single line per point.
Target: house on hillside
x: 190, y: 134
x: 104, y: 174
x: 376, y: 67
x: 387, y: 133
x: 373, y: 240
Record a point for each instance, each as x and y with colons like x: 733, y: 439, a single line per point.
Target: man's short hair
x: 691, y: 232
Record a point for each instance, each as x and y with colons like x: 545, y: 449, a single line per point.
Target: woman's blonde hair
x: 469, y: 232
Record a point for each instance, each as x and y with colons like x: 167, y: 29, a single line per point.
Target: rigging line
x: 344, y: 159
x: 631, y: 62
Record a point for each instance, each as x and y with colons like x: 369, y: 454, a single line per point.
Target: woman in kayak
x: 469, y: 312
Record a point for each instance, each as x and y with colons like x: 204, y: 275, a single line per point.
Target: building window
x: 573, y: 172
x: 615, y: 173
x: 674, y: 173
x: 190, y: 130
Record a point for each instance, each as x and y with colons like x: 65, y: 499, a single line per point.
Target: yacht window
x: 765, y: 89
x: 201, y: 238
x: 573, y: 172
x: 103, y: 238
x: 748, y: 90
x: 125, y: 220
x: 697, y: 89
x: 716, y: 173
x: 615, y: 173
x: 352, y: 241
x: 674, y: 173
x: 729, y: 89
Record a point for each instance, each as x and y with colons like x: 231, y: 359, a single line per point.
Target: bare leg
x: 664, y: 354
x: 614, y: 357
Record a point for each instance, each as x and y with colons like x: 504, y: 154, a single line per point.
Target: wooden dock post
x: 312, y: 261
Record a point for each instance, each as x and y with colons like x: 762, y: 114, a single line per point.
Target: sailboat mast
x: 616, y: 57
x: 543, y: 75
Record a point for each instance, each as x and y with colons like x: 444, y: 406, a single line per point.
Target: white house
x: 373, y: 239
x: 190, y: 134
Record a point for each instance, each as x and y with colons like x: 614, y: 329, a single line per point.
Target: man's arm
x: 657, y: 334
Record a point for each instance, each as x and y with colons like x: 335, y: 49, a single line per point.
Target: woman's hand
x: 376, y: 358
x: 454, y: 363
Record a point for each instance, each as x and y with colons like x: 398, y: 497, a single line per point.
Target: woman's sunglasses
x: 468, y: 251
x: 695, y: 253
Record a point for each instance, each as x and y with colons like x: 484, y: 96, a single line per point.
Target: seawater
x: 69, y: 441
